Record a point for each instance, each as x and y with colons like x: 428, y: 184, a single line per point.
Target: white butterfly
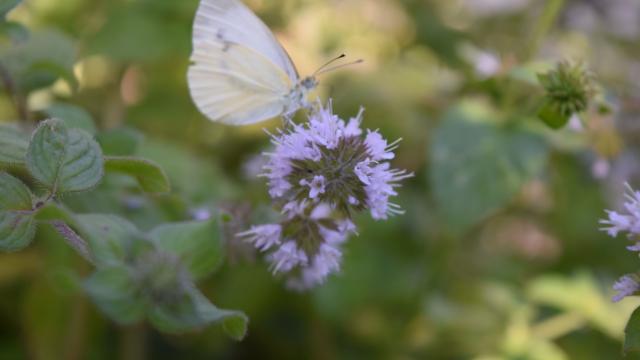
x: 240, y: 74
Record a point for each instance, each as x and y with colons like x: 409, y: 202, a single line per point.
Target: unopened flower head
x: 569, y: 88
x: 320, y: 174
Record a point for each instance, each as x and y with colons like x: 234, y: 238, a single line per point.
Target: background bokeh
x: 498, y: 256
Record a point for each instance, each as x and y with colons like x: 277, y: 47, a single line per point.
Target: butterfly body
x: 240, y: 74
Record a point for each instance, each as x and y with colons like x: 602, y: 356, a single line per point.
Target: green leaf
x: 120, y: 142
x: 40, y: 60
x: 112, y: 240
x: 552, y: 116
x: 149, y: 175
x: 477, y: 166
x: 115, y: 292
x: 72, y: 116
x: 196, y: 243
x: 17, y: 229
x: 13, y: 146
x: 15, y: 31
x: 64, y: 160
x: 193, y: 310
x: 14, y: 194
x: 7, y: 5
x: 632, y: 333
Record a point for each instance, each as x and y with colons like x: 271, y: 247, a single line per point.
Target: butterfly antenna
x: 359, y: 61
x: 328, y: 63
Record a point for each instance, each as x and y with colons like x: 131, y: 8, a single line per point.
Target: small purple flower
x: 263, y: 237
x: 316, y: 186
x: 287, y: 257
x: 628, y: 223
x: 626, y: 286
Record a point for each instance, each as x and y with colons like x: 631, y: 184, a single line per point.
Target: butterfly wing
x: 241, y: 74
x: 236, y: 85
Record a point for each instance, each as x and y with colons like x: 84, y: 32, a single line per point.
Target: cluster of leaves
x: 139, y: 275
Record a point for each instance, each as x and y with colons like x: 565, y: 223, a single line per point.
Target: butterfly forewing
x: 230, y: 21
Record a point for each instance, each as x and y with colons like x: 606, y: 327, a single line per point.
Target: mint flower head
x: 628, y: 222
x: 319, y: 175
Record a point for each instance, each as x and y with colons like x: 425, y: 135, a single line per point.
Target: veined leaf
x: 64, y: 160
x: 13, y: 146
x: 17, y: 229
x: 14, y: 195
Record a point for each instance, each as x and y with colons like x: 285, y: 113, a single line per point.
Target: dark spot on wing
x: 225, y: 43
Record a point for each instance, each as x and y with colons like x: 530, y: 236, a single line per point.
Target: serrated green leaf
x: 120, y: 142
x: 116, y: 293
x: 192, y: 311
x: 149, y: 175
x: 13, y: 146
x: 7, y: 5
x: 632, y: 332
x: 477, y: 167
x: 72, y: 116
x: 64, y: 160
x: 14, y: 194
x: 40, y: 60
x: 17, y: 229
x: 196, y: 243
x: 112, y: 239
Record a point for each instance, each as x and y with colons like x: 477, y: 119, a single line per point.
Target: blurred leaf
x: 120, y: 142
x: 14, y: 195
x: 193, y: 176
x: 477, y: 166
x: 112, y: 239
x: 196, y: 243
x: 7, y: 5
x: 194, y: 310
x: 632, y: 333
x: 16, y: 32
x: 115, y: 292
x: 137, y: 35
x: 580, y: 295
x: 72, y: 116
x: 39, y: 61
x: 17, y: 229
x: 13, y: 145
x: 150, y: 176
x: 64, y: 160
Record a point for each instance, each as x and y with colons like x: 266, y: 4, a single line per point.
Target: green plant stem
x: 550, y: 14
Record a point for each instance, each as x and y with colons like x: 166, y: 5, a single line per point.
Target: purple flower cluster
x: 320, y: 174
x: 626, y: 222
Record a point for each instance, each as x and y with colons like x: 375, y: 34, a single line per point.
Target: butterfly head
x: 309, y: 83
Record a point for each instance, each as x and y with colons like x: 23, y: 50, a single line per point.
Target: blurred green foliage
x: 497, y: 257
